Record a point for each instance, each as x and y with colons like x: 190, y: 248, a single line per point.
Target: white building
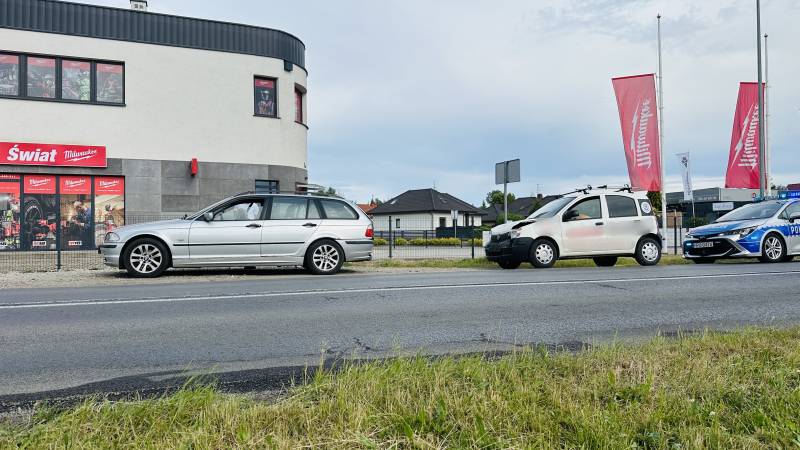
x: 167, y: 114
x: 424, y: 210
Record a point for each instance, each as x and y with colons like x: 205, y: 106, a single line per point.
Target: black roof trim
x: 103, y: 22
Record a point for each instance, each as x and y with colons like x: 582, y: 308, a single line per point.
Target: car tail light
x: 370, y: 232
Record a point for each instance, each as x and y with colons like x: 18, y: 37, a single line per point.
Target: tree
x: 496, y: 197
x: 655, y: 200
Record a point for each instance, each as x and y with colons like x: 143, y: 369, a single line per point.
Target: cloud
x: 405, y: 93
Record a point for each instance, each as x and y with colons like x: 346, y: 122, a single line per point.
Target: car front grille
x: 722, y: 247
x: 501, y: 237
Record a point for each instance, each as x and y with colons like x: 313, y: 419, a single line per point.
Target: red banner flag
x: 743, y: 164
x: 638, y: 114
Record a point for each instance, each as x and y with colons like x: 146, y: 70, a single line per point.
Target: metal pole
x: 391, y: 238
x: 768, y: 151
x: 661, y: 131
x: 505, y: 192
x: 761, y: 165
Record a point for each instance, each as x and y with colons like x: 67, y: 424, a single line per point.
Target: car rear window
x: 338, y: 210
x: 621, y: 206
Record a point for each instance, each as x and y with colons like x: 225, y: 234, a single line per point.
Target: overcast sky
x: 408, y: 94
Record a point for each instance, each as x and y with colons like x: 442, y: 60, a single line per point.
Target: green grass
x: 483, y: 263
x: 728, y: 391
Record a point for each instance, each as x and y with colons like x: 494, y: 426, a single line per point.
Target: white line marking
x: 386, y: 289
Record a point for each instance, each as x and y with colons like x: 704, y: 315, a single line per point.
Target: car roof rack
x: 585, y: 190
x: 623, y: 188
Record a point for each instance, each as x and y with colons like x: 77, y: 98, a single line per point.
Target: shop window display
x: 109, y: 203
x: 41, y: 77
x: 9, y: 74
x: 76, y: 212
x: 76, y: 81
x: 40, y: 212
x: 110, y: 83
x: 9, y: 212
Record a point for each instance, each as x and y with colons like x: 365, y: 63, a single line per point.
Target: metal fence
x: 56, y: 254
x: 427, y: 237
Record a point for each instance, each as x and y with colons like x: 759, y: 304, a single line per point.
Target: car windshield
x: 751, y: 212
x: 198, y: 214
x: 551, y: 209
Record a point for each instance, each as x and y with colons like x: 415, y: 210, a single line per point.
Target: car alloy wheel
x: 773, y: 249
x: 146, y: 258
x: 326, y: 258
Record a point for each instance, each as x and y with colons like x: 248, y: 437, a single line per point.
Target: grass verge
x: 736, y: 390
x: 483, y: 263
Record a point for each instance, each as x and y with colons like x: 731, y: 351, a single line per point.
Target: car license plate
x: 703, y: 244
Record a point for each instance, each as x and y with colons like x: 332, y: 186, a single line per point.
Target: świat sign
x: 27, y: 154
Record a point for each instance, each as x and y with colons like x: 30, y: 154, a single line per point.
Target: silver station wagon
x: 247, y: 230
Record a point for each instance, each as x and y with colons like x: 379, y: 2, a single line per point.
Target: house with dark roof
x: 522, y: 206
x: 424, y: 209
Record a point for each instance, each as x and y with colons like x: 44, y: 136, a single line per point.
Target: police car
x: 769, y: 231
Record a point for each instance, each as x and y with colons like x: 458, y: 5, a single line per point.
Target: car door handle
x: 309, y: 225
x: 254, y: 225
x: 598, y: 223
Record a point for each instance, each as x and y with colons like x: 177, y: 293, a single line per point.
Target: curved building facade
x: 165, y: 114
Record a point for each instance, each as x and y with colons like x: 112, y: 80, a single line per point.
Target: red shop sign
x: 40, y: 184
x: 26, y: 154
x: 75, y: 185
x: 9, y: 187
x: 109, y: 186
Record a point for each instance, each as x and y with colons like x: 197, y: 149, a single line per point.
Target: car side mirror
x: 208, y: 216
x: 570, y: 215
x: 794, y: 217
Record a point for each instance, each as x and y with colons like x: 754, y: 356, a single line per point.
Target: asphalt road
x: 56, y: 343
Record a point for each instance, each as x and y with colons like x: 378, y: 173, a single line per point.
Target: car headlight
x: 112, y: 237
x: 744, y: 231
x: 514, y: 234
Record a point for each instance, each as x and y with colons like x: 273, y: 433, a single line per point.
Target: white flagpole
x: 768, y: 153
x: 761, y: 165
x: 661, y: 132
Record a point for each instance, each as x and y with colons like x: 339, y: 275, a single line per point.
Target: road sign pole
x: 505, y: 192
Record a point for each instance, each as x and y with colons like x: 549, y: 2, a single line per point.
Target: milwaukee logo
x: 108, y: 184
x: 639, y: 146
x: 15, y: 154
x: 35, y: 182
x: 747, y: 148
x: 74, y: 155
x: 74, y: 183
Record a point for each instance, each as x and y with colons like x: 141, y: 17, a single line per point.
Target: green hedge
x: 434, y: 242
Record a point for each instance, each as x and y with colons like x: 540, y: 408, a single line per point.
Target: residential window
x: 41, y: 77
x: 76, y: 80
x: 9, y: 74
x: 265, y: 97
x: 619, y: 206
x: 442, y: 222
x: 267, y: 187
x: 110, y: 83
x: 299, y: 114
x: 397, y: 223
